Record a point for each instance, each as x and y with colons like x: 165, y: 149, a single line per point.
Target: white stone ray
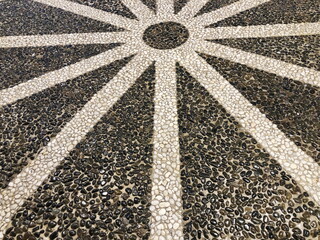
x: 142, y: 12
x: 191, y: 8
x: 227, y: 11
x: 63, y: 39
x: 166, y: 204
x: 278, y: 67
x: 49, y: 158
x: 295, y: 162
x: 90, y: 12
x: 165, y: 10
x: 28, y: 88
x: 263, y: 31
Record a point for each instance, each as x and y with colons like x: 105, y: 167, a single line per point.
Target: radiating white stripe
x: 267, y: 64
x: 50, y: 157
x: 191, y: 8
x: 261, y: 31
x: 50, y: 79
x: 166, y: 204
x: 63, y: 39
x: 90, y: 12
x: 227, y: 11
x: 296, y: 163
x: 141, y: 11
x: 165, y: 9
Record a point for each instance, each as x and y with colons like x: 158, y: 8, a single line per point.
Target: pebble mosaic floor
x: 159, y: 119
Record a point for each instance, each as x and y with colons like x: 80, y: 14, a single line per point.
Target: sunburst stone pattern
x: 159, y: 119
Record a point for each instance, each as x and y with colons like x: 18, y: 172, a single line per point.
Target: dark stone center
x: 165, y: 35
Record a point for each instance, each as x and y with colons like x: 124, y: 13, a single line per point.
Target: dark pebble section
x: 25, y: 17
x: 232, y: 188
x: 179, y: 4
x: 102, y: 189
x: 19, y: 65
x: 29, y: 124
x: 299, y: 50
x: 212, y: 5
x: 275, y: 12
x: 293, y: 106
x: 165, y: 35
x: 152, y: 4
x: 111, y: 6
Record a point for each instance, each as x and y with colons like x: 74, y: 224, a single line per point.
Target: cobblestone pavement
x: 159, y: 119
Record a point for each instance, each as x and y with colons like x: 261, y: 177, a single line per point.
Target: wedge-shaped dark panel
x: 112, y: 6
x: 299, y: 50
x: 25, y: 17
x: 19, y: 65
x: 232, y: 188
x: 179, y: 4
x: 28, y: 125
x: 102, y: 189
x: 293, y: 106
x: 212, y: 5
x: 274, y: 12
x: 152, y: 4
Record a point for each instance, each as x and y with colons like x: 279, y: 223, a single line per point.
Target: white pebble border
x: 63, y: 39
x: 166, y: 204
x: 165, y: 9
x: 262, y: 31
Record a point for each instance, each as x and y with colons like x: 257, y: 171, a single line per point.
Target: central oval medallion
x: 166, y: 35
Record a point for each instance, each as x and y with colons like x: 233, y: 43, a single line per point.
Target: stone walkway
x: 159, y: 119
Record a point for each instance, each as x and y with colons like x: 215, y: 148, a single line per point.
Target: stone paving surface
x: 159, y: 119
